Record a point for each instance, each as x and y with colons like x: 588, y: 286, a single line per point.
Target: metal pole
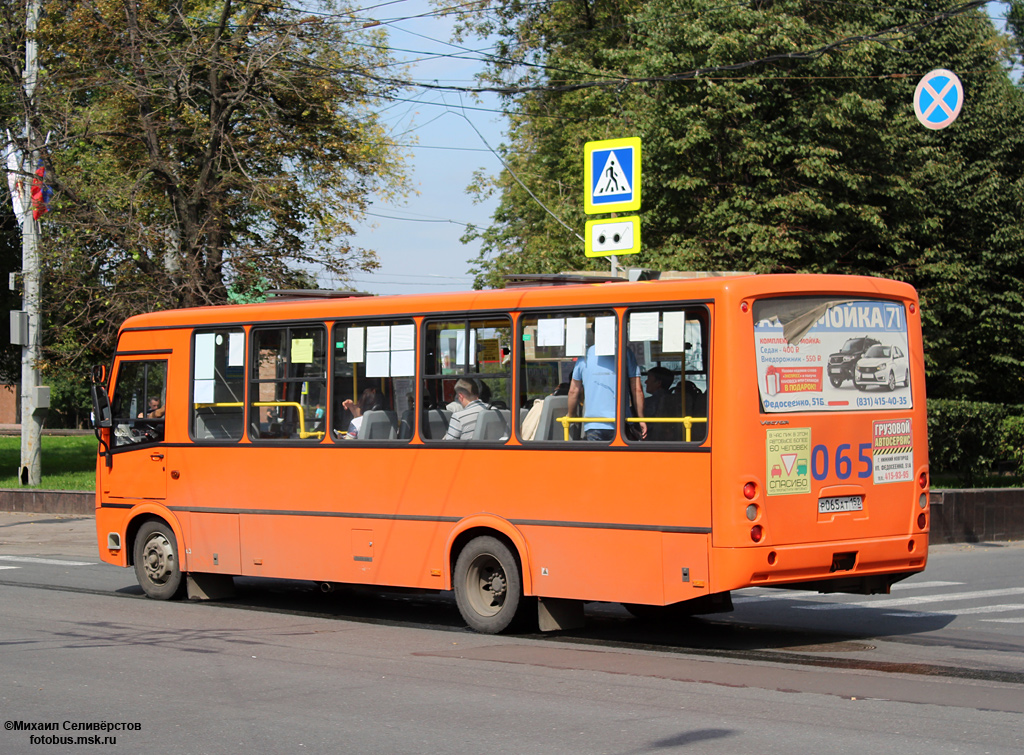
x: 31, y: 415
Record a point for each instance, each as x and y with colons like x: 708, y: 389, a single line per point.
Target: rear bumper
x: 821, y: 564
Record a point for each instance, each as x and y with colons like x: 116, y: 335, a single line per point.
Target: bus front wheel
x: 156, y: 561
x: 488, y: 585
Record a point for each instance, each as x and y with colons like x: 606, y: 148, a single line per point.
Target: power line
x: 882, y: 36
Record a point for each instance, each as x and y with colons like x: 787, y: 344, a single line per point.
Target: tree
x: 778, y: 137
x: 197, y: 147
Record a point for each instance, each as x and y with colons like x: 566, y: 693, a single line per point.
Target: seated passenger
x: 369, y: 400
x: 662, y: 403
x: 463, y: 422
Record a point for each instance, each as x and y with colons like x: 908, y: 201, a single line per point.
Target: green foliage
x: 966, y: 438
x: 1011, y: 441
x: 807, y: 163
x: 256, y: 292
x: 195, y: 147
x: 70, y: 401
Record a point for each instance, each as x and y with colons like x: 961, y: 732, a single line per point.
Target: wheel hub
x: 496, y: 585
x: 157, y: 559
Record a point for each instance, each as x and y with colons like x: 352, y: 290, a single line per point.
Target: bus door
x: 138, y: 466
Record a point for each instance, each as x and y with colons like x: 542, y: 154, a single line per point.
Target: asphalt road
x: 935, y: 667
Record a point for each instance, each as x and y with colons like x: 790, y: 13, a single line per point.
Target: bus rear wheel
x: 488, y: 585
x: 156, y: 561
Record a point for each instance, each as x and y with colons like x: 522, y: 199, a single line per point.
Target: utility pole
x: 35, y: 399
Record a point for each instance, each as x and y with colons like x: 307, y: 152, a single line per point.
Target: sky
x: 417, y: 240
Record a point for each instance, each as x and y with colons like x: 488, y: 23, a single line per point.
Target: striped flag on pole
x: 15, y: 180
x: 41, y: 193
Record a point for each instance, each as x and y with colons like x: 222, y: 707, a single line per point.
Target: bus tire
x: 156, y: 562
x: 488, y: 585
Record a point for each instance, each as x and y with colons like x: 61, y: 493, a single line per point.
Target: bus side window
x: 669, y: 345
x: 373, y: 378
x: 218, y: 385
x: 139, y: 403
x: 552, y: 344
x: 288, y: 388
x: 477, y: 351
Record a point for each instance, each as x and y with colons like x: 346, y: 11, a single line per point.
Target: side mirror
x: 101, y: 415
x: 99, y: 374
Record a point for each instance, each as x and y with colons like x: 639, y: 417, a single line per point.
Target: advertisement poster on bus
x: 854, y: 356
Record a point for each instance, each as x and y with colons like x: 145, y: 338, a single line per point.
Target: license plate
x: 840, y: 503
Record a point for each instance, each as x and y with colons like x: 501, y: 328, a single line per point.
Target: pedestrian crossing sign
x: 611, y: 173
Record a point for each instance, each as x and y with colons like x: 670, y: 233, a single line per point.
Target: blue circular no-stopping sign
x: 938, y: 99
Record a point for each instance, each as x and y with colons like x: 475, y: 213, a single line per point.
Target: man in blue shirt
x: 596, y: 377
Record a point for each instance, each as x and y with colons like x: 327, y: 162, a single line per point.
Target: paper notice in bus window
x: 854, y: 357
x: 673, y: 327
x: 604, y: 336
x: 205, y: 346
x: 403, y: 337
x: 236, y: 349
x: 378, y: 338
x: 378, y: 363
x: 354, y: 347
x: 643, y: 326
x: 203, y: 391
x: 551, y: 332
x: 403, y: 363
x: 575, y: 336
x: 302, y: 351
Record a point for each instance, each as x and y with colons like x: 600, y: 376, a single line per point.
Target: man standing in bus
x: 595, y: 376
x: 463, y: 422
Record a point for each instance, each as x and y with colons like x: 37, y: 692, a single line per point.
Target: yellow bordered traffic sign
x: 611, y: 175
x: 616, y: 236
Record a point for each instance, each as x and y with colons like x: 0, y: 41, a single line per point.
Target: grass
x: 68, y: 462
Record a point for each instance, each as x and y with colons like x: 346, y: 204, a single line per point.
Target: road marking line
x: 923, y: 585
x: 10, y: 567
x: 53, y: 561
x: 961, y: 612
x: 752, y: 597
x: 1007, y: 621
x: 897, y: 602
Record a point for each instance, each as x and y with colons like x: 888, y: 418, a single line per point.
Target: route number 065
x: 842, y: 463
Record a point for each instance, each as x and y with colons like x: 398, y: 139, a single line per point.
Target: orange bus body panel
x: 615, y: 523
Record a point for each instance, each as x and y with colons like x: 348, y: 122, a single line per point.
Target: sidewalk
x: 47, y: 535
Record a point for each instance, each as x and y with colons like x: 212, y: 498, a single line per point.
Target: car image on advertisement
x: 842, y: 363
x: 882, y: 365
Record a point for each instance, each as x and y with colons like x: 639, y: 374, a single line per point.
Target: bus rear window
x: 831, y: 354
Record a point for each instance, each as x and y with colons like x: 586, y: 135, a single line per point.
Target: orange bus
x: 656, y: 444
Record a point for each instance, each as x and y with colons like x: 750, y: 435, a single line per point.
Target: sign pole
x: 32, y: 415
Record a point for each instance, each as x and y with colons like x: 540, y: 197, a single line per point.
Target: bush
x: 966, y: 438
x: 1011, y: 438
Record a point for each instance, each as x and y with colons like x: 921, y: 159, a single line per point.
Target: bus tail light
x: 922, y: 520
x: 922, y: 480
x: 923, y: 500
x: 752, y: 511
x: 756, y: 533
x: 750, y: 491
